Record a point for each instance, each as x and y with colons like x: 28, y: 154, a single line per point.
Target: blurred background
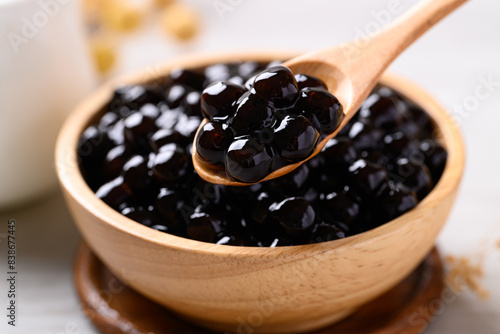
x: 57, y: 51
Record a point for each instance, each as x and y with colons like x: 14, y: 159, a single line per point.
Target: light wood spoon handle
x: 351, y: 70
x: 363, y: 61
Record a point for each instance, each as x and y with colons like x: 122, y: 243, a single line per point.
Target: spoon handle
x: 364, y: 60
x: 404, y: 30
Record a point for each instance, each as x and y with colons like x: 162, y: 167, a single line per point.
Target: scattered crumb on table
x: 465, y: 274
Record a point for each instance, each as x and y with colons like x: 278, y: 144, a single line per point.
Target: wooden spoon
x: 350, y: 71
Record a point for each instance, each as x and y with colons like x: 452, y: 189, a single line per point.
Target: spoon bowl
x: 350, y: 71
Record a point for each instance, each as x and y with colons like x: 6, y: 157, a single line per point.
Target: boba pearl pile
x: 136, y: 158
x: 275, y: 119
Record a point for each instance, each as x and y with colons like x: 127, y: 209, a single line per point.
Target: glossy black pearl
x: 339, y: 152
x: 295, y: 215
x: 135, y: 173
x: 409, y: 127
x: 237, y: 80
x: 193, y: 79
x: 203, y: 226
x: 219, y: 99
x: 319, y: 104
x: 114, y: 161
x: 132, y: 97
x: 137, y: 129
x: 192, y: 104
x: 293, y: 181
x: 107, y: 121
x: 307, y: 81
x: 367, y: 176
x: 93, y: 144
x: 248, y: 160
x: 340, y: 207
x: 170, y: 163
x: 261, y: 207
x: 311, y: 194
x: 114, y: 193
x: 326, y: 232
x: 143, y: 215
x: 115, y: 132
x: 377, y: 157
x: 167, y: 203
x: 217, y: 72
x: 252, y: 113
x: 175, y: 94
x: 212, y: 142
x: 248, y: 68
x: 168, y: 117
x: 396, y: 200
x: 397, y: 144
x: 163, y: 137
x: 423, y: 121
x: 276, y: 84
x: 150, y: 110
x: 435, y: 158
x: 381, y: 111
x: 295, y: 138
x: 187, y: 126
x: 365, y: 136
x: 414, y: 175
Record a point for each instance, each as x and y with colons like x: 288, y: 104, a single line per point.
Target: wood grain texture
x: 116, y: 309
x: 293, y: 289
x: 351, y: 71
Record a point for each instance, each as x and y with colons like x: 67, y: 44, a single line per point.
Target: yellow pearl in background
x: 163, y: 3
x: 108, y: 22
x: 120, y: 15
x: 180, y: 21
x: 104, y: 54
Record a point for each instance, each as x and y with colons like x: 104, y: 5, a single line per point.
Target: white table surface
x: 450, y: 61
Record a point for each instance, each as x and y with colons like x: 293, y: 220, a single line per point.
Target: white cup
x: 45, y: 69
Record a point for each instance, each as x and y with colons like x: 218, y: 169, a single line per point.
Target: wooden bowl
x: 250, y: 289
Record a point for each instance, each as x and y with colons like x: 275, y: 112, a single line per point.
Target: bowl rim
x: 71, y: 180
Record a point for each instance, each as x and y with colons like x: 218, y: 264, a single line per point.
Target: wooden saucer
x: 117, y: 309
